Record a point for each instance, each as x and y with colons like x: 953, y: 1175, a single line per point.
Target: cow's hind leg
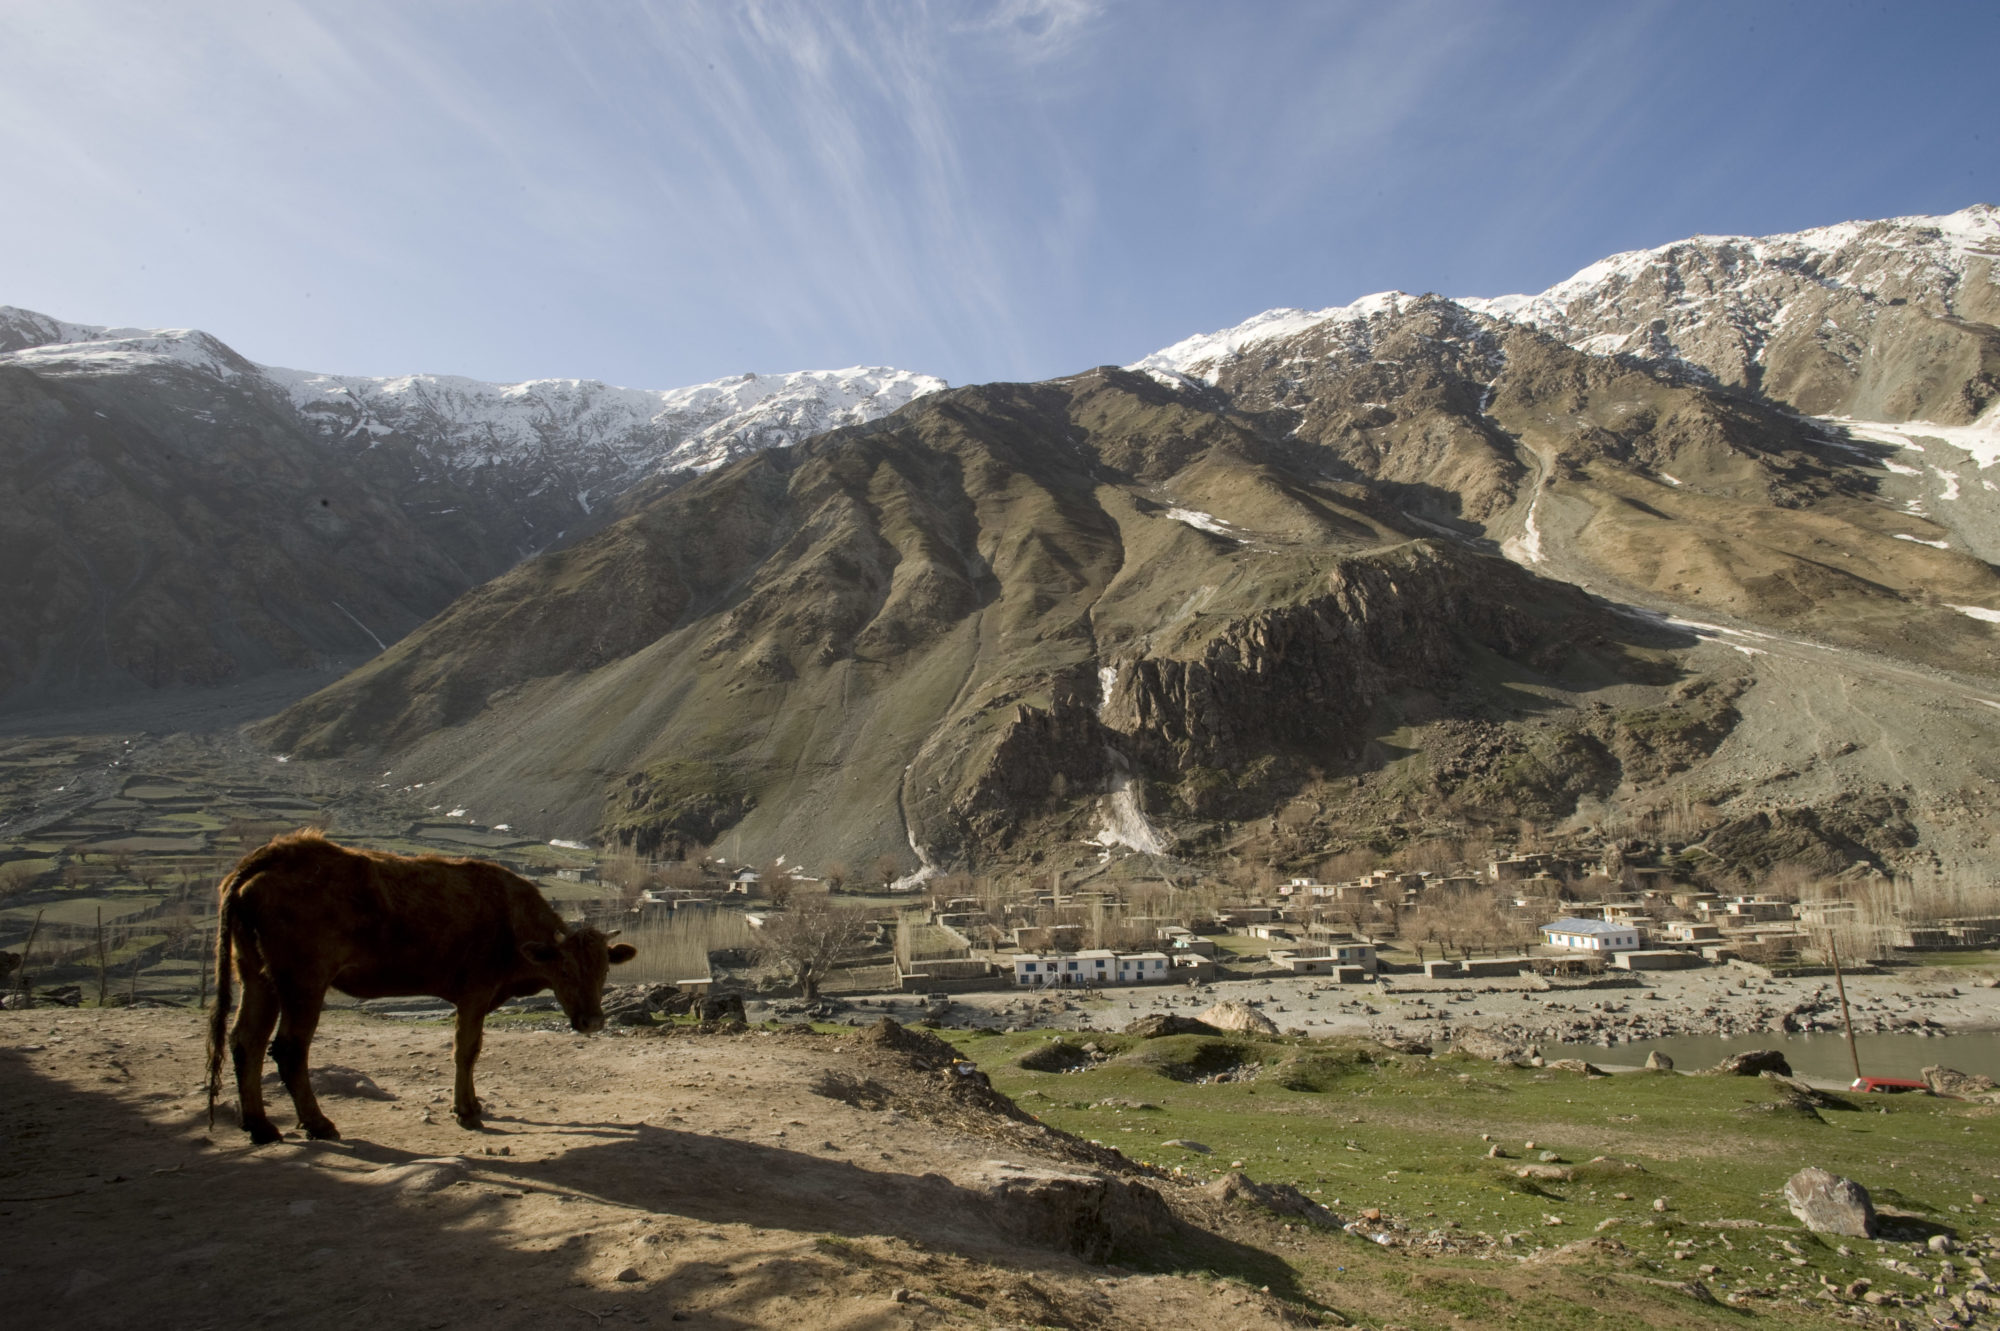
x: 471, y: 1032
x: 247, y: 1043
x: 300, y: 1007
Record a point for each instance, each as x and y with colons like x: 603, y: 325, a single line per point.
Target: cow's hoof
x: 263, y: 1133
x: 470, y: 1122
x: 322, y: 1131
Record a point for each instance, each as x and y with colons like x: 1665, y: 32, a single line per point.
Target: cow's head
x: 574, y: 967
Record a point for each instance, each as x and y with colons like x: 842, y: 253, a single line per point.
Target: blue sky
x: 660, y: 194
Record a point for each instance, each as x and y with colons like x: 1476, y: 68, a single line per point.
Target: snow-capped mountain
x: 1886, y: 321
x: 182, y: 515
x: 595, y: 435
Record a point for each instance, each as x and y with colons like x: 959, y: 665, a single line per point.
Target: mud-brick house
x: 1579, y: 935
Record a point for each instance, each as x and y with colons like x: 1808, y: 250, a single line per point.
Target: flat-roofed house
x: 1578, y: 935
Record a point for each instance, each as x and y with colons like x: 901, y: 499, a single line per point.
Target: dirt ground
x: 720, y: 1180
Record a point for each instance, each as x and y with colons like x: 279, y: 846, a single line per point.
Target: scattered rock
x: 433, y: 1175
x: 1236, y: 1016
x: 1659, y: 1203
x: 1169, y: 1023
x: 1751, y: 1062
x: 1576, y: 1065
x: 1546, y: 1173
x: 628, y: 1276
x: 1940, y: 1243
x: 1482, y: 1044
x: 1830, y: 1204
x: 1659, y: 1062
x: 1950, y: 1081
x: 340, y: 1083
x: 1186, y: 1145
x: 1283, y: 1198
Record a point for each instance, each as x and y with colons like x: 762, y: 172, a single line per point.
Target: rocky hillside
x: 1144, y: 608
x: 183, y: 517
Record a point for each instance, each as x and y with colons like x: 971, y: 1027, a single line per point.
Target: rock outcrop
x: 1829, y: 1204
x: 1752, y: 1063
x: 1236, y: 1016
x: 1096, y: 1217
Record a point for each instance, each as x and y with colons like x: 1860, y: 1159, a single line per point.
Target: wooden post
x: 27, y: 948
x: 100, y: 957
x: 1840, y: 985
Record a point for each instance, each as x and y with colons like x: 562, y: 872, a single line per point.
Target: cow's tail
x: 225, y: 975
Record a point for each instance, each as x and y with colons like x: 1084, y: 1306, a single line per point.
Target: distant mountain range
x: 181, y: 516
x: 1708, y: 525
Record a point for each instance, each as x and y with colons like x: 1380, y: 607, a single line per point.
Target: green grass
x: 1356, y: 1127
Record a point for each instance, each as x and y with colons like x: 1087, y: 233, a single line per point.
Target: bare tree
x: 837, y: 875
x: 16, y: 878
x: 810, y: 937
x: 778, y: 885
x: 887, y: 869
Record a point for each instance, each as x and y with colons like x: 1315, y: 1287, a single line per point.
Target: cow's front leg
x: 465, y: 1052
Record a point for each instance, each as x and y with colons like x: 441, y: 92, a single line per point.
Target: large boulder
x: 1240, y: 1189
x: 1096, y: 1217
x: 1752, y: 1063
x: 1829, y: 1204
x: 1235, y: 1016
x: 1950, y: 1081
x: 1659, y: 1062
x: 1168, y: 1023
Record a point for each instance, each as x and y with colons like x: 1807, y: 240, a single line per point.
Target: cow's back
x: 376, y: 925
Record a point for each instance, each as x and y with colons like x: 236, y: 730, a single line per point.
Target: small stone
x: 901, y: 1295
x: 1371, y: 1213
x: 1659, y: 1062
x: 1622, y: 1196
x: 1527, y: 1146
x: 1979, y: 1199
x: 1659, y: 1203
x: 628, y: 1276
x: 1941, y: 1243
x: 1549, y: 1158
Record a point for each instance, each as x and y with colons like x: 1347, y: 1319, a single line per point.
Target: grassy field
x: 1684, y: 1172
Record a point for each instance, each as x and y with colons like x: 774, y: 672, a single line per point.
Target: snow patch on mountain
x: 607, y: 434
x: 473, y: 423
x: 1199, y: 358
x: 1716, y: 303
x: 1981, y: 438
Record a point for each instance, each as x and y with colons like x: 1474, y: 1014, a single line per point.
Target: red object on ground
x: 1891, y: 1085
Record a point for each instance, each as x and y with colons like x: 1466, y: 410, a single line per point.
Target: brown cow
x: 301, y: 915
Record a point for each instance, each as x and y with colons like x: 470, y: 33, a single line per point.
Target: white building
x: 1591, y: 935
x: 1096, y: 966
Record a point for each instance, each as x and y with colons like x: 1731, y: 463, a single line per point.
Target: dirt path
x: 712, y: 1181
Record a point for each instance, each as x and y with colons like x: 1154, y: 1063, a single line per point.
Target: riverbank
x: 1730, y: 1001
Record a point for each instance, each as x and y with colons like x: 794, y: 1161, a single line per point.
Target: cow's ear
x: 623, y: 952
x: 541, y: 954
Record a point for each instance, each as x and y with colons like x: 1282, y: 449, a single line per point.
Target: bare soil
x: 714, y: 1180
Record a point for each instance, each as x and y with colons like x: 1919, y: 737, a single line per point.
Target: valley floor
x: 856, y: 1178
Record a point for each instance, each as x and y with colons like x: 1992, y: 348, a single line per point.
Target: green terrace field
x: 1672, y: 1178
